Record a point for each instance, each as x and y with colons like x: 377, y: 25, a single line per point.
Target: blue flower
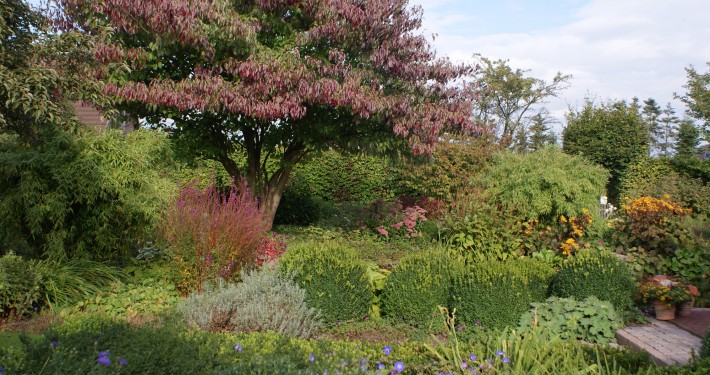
x: 499, y: 353
x: 399, y: 366
x: 103, y: 354
x: 311, y: 358
x: 55, y: 344
x: 473, y: 357
x: 380, y: 366
x: 122, y: 361
x: 238, y: 348
x: 506, y: 360
x: 387, y: 350
x: 104, y: 361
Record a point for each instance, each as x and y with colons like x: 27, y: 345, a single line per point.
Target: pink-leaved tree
x: 274, y: 80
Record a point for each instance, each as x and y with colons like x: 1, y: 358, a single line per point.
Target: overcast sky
x: 614, y: 49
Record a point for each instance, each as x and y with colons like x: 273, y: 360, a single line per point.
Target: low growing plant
x: 590, y: 320
x: 265, y: 300
x: 19, y: 287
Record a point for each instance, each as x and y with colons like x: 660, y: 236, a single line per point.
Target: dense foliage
x: 417, y: 286
x: 276, y: 80
x: 544, y: 184
x: 334, y: 279
x: 611, y: 134
x: 598, y: 273
x: 19, y: 287
x: 590, y: 320
x: 212, y: 234
x: 496, y: 294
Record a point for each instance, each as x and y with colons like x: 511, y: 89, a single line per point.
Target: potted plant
x: 664, y: 297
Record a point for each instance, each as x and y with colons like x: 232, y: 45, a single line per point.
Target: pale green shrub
x: 265, y: 300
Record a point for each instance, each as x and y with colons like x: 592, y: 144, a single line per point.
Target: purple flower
x: 473, y: 357
x: 104, y: 361
x: 387, y: 350
x: 238, y: 348
x: 380, y: 366
x: 499, y: 353
x: 464, y: 365
x: 103, y: 354
x: 55, y: 344
x: 122, y: 361
x: 506, y: 360
x: 311, y: 358
x: 399, y: 366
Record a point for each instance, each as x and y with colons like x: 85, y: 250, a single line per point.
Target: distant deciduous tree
x: 610, y: 134
x: 688, y: 140
x: 276, y: 79
x: 508, y: 97
x: 697, y: 96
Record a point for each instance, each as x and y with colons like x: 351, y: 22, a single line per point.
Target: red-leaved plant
x: 212, y: 234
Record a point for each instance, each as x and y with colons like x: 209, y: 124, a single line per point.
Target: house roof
x: 89, y: 115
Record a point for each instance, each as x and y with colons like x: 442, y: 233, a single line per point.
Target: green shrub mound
x: 497, y: 294
x: 416, y: 286
x: 705, y: 349
x: 598, y: 273
x: 334, y: 278
x: 591, y: 320
x: 19, y: 286
x: 265, y: 300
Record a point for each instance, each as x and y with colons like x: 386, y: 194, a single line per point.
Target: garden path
x: 667, y: 343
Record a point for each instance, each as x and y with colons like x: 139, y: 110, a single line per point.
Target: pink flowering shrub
x: 212, y: 234
x: 272, y: 247
x: 391, y: 220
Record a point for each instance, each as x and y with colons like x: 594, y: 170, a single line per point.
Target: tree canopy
x: 610, y: 134
x: 697, y: 96
x: 508, y: 99
x: 275, y: 79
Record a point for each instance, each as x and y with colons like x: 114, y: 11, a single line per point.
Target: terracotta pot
x: 663, y: 311
x: 684, y: 309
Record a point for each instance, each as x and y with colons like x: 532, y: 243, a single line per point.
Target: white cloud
x: 614, y: 49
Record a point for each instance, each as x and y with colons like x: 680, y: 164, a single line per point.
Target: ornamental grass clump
x: 212, y: 234
x: 334, y: 278
x: 265, y: 300
x: 596, y: 272
x: 495, y: 293
x: 417, y: 285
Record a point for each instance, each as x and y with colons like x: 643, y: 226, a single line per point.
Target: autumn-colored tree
x: 275, y: 79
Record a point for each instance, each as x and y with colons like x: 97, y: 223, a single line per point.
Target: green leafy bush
x: 590, y: 320
x: 88, y: 195
x: 132, y: 300
x: 19, y: 287
x: 264, y: 301
x: 544, y: 184
x: 417, y: 285
x: 334, y: 278
x: 596, y: 272
x: 496, y: 293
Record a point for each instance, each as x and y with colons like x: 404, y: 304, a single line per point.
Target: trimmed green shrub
x: 416, y: 286
x: 19, y: 287
x: 496, y: 294
x: 590, y: 320
x: 334, y: 278
x: 596, y: 272
x: 264, y: 301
